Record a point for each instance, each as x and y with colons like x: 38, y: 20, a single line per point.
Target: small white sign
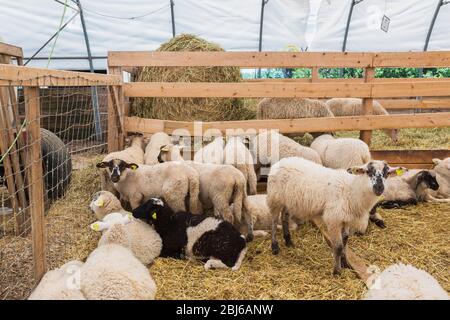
x: 385, y: 23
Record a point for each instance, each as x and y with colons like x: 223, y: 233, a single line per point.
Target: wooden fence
x: 398, y: 93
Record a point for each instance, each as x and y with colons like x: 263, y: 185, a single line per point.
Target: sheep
x: 109, y: 220
x: 60, y: 284
x: 269, y: 147
x: 211, y: 153
x: 152, y: 149
x: 341, y: 153
x: 237, y: 154
x: 220, y: 185
x: 442, y: 169
x: 303, y: 189
x: 175, y: 181
x: 112, y: 272
x: 103, y: 203
x: 139, y: 237
x: 405, y: 282
x: 256, y: 207
x: 353, y: 107
x: 134, y: 153
x: 292, y: 108
x: 185, y: 235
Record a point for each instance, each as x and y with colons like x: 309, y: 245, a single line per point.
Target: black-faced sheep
x: 353, y: 107
x: 303, y: 189
x: 442, y: 169
x: 341, y: 153
x: 184, y: 235
x: 175, y: 181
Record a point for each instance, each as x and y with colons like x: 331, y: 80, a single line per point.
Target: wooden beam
x: 423, y: 120
x: 35, y: 179
x: 409, y: 156
x: 411, y: 59
x: 300, y: 90
x: 10, y: 50
x: 25, y: 76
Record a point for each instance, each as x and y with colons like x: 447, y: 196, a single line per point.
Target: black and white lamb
x: 196, y: 237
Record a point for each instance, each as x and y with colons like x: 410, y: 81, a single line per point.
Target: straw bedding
x: 416, y: 235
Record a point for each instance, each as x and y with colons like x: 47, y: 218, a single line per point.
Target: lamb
x: 211, y: 153
x: 194, y: 236
x: 134, y: 153
x: 109, y: 220
x: 60, y: 284
x: 152, y: 149
x: 139, y: 237
x: 103, y: 203
x: 269, y: 147
x: 237, y: 154
x: 303, y: 189
x: 353, y: 107
x: 405, y: 282
x: 341, y: 153
x: 291, y: 108
x: 442, y: 169
x: 112, y: 272
x: 175, y: 181
x: 220, y: 185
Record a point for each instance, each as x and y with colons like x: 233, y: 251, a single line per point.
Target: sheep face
x: 153, y: 212
x: 117, y: 169
x: 428, y: 178
x: 377, y: 171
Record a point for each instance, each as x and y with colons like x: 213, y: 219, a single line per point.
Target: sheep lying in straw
x: 174, y: 181
x: 194, y: 236
x: 153, y: 147
x: 341, y: 153
x: 112, y: 272
x: 303, y: 189
x: 60, y: 284
x: 133, y: 154
x: 405, y: 282
x: 139, y: 237
x: 220, y: 185
x: 353, y: 107
x: 442, y: 169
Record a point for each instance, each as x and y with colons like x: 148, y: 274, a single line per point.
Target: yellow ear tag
x: 399, y: 172
x: 95, y: 226
x: 381, y: 198
x: 133, y: 167
x: 154, y: 215
x: 99, y: 203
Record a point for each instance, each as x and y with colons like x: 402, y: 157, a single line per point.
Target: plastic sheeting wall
x: 233, y: 24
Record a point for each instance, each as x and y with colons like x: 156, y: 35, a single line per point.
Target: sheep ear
x: 132, y: 166
x: 99, y: 202
x: 436, y: 161
x: 102, y: 164
x: 164, y: 148
x: 357, y: 170
x: 396, y: 171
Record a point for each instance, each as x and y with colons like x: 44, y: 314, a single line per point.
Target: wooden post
x: 367, y: 106
x: 35, y: 179
x: 116, y: 137
x: 314, y: 74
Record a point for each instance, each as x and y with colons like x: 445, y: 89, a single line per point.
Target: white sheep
x: 268, y: 147
x: 353, y: 107
x: 211, y: 153
x: 237, y: 154
x: 157, y: 140
x: 132, y: 154
x: 303, y: 189
x: 341, y: 153
x: 442, y: 169
x: 103, y: 203
x: 139, y: 237
x: 112, y: 272
x: 60, y: 284
x: 291, y: 108
x: 109, y: 220
x: 405, y: 282
x: 174, y: 181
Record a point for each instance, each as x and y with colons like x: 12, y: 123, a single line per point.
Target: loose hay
x: 190, y: 109
x: 416, y: 235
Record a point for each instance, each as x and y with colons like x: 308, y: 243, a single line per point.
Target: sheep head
x: 154, y: 212
x: 117, y: 168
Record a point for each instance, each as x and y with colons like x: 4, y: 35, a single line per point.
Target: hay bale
x: 189, y: 109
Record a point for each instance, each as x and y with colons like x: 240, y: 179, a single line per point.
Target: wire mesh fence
x: 72, y: 126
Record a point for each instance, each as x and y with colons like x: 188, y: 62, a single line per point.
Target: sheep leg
x: 337, y: 245
x: 222, y: 210
x: 286, y: 231
x: 376, y: 218
x: 431, y: 198
x: 215, y: 264
x: 275, y: 215
x: 345, y: 235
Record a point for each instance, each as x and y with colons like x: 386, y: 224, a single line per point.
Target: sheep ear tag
x: 99, y: 203
x: 133, y: 167
x: 399, y: 171
x: 95, y: 226
x: 154, y: 215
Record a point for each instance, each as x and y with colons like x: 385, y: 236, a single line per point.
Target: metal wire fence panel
x: 67, y: 126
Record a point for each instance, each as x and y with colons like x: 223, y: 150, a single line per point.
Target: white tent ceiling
x: 234, y: 24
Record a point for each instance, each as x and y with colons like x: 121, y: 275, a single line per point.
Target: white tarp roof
x: 234, y: 24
